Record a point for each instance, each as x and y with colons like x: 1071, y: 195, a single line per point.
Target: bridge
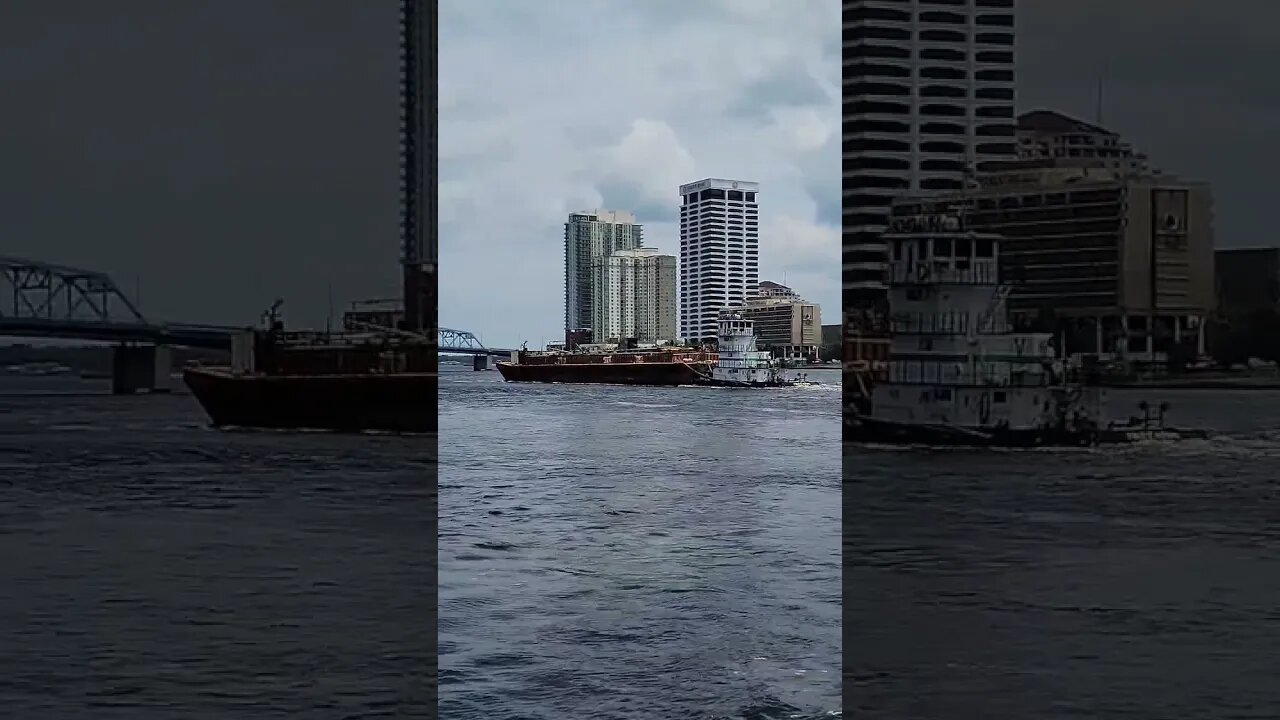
x: 44, y: 300
x: 461, y: 342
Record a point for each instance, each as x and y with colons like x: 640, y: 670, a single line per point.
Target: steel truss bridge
x: 461, y: 342
x: 43, y: 300
x: 39, y: 299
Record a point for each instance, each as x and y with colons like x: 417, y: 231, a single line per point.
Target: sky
x: 220, y: 155
x: 552, y: 108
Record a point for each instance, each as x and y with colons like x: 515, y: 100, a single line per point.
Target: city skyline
x: 604, y: 121
x: 299, y: 224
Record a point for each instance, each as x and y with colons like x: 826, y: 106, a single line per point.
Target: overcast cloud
x: 228, y: 153
x: 549, y: 108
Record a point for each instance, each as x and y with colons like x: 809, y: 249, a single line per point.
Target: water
x: 626, y: 552
x: 154, y: 568
x: 1134, y: 583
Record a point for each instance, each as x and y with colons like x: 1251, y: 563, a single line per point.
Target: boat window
x: 998, y: 397
x: 942, y: 394
x: 984, y: 249
x: 942, y: 247
x: 897, y: 249
x: 963, y: 247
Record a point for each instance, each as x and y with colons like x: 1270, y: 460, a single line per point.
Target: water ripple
x: 648, y: 552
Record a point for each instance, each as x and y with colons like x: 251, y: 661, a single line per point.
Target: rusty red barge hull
x: 393, y: 402
x: 654, y: 368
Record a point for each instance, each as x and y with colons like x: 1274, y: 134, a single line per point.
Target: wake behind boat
x: 959, y: 374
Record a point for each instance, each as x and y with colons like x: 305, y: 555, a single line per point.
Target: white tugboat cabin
x: 740, y: 362
x: 957, y: 372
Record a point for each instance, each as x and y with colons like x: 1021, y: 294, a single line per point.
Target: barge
x: 382, y: 380
x: 661, y: 366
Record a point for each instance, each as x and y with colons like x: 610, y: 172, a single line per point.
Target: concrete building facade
x: 1103, y: 257
x: 636, y: 298
x: 589, y: 237
x: 719, y: 251
x: 785, y: 324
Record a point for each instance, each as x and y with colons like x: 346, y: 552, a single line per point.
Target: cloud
x: 615, y: 104
x: 643, y: 170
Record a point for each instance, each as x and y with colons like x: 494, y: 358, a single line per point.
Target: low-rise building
x: 1115, y: 255
x: 1100, y: 259
x: 785, y: 324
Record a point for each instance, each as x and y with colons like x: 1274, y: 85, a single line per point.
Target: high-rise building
x: 637, y: 297
x: 590, y: 236
x: 928, y: 95
x: 419, y: 239
x: 719, y: 251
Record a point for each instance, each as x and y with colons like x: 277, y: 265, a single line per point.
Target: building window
x: 873, y: 88
x: 942, y: 54
x: 876, y: 33
x: 873, y: 70
x: 876, y: 14
x: 1001, y: 20
x: 995, y: 56
x: 944, y: 73
x: 994, y: 39
x: 941, y: 36
x: 943, y: 17
x: 884, y: 108
x: 942, y: 110
x: 877, y: 51
x: 995, y: 75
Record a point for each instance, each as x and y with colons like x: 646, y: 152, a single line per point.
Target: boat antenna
x: 328, y: 321
x: 1098, y: 106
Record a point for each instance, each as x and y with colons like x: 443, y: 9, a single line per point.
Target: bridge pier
x: 140, y: 367
x: 481, y: 362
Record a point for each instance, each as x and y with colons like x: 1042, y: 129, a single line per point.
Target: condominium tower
x: 589, y: 237
x: 636, y: 297
x: 928, y: 95
x: 719, y: 251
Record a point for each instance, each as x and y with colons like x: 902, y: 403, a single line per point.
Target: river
x: 155, y: 568
x: 1140, y: 582
x: 635, y: 552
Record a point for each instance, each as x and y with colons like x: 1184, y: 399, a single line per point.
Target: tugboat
x: 739, y: 362
x: 958, y: 373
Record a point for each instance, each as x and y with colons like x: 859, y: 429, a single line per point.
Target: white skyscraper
x: 719, y: 251
x: 590, y: 236
x: 637, y: 296
x: 928, y: 92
